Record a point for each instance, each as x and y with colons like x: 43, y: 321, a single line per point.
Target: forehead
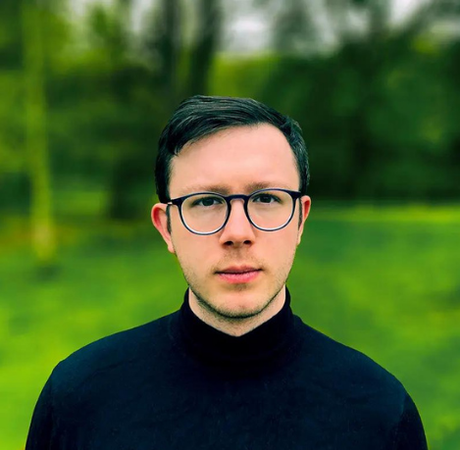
x: 236, y: 160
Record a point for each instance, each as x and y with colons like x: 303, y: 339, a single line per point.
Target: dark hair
x: 200, y: 116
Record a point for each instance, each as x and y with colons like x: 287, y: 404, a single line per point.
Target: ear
x: 160, y: 222
x: 305, y: 204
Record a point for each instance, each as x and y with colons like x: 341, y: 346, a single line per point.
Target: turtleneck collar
x: 267, y: 345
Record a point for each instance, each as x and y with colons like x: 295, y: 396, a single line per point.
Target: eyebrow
x: 222, y: 189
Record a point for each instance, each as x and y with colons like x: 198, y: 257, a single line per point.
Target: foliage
x: 379, y: 113
x: 374, y: 133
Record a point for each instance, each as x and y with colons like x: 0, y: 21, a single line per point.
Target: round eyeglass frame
x: 228, y: 198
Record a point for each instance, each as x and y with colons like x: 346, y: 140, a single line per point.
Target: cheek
x: 193, y: 252
x: 286, y: 240
x: 283, y: 248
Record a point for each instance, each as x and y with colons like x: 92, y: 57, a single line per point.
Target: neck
x: 236, y: 326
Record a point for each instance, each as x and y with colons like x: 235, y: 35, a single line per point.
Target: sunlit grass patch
x: 373, y: 212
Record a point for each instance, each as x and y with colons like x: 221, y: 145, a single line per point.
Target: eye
x: 208, y: 201
x: 265, y: 198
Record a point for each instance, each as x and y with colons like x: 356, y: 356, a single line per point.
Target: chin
x: 237, y: 302
x: 240, y: 306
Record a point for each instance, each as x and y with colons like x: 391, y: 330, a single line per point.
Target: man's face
x: 234, y: 161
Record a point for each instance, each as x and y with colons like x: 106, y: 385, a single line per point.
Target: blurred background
x: 85, y: 90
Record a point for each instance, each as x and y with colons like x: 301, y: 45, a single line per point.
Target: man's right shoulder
x: 114, y: 352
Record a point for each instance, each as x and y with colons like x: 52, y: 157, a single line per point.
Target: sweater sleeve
x: 41, y: 427
x: 410, y: 434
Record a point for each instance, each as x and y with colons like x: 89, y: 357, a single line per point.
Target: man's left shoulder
x: 355, y: 394
x: 348, y: 368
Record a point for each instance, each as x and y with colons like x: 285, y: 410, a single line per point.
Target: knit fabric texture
x: 178, y: 384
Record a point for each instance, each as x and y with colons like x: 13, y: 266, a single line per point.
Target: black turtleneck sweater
x: 177, y: 383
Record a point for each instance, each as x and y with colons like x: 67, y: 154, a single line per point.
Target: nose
x: 238, y: 230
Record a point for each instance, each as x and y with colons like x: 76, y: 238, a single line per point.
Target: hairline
x: 177, y: 151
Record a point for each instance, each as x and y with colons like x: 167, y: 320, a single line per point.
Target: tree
x: 176, y: 69
x: 355, y: 72
x: 43, y: 229
x: 204, y: 47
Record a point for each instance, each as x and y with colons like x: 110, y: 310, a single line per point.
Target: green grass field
x: 384, y: 281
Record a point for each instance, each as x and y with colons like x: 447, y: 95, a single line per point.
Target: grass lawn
x: 384, y: 281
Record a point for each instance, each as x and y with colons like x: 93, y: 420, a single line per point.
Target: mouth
x: 239, y: 275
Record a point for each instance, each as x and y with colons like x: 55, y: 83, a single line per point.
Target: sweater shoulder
x: 347, y: 366
x: 113, y: 352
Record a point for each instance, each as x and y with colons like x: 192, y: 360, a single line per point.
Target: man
x: 234, y: 368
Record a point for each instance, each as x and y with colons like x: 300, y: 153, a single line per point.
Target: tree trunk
x: 205, y: 46
x: 43, y: 233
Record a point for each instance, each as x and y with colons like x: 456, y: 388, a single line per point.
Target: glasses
x: 207, y: 213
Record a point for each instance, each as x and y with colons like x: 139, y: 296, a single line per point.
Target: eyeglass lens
x: 268, y: 209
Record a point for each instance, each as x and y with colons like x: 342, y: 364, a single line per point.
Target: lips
x: 239, y: 274
x: 238, y: 270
